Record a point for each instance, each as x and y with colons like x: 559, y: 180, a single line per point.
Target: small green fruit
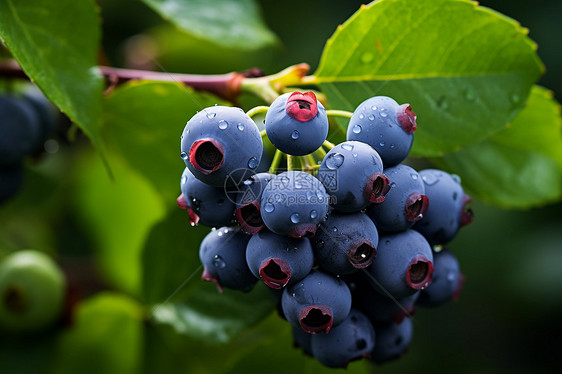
x: 32, y: 291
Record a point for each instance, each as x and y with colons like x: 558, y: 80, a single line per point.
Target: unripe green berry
x: 32, y: 291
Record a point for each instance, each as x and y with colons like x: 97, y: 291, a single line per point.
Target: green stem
x: 289, y: 162
x: 320, y: 153
x: 276, y: 160
x: 263, y: 133
x: 257, y: 110
x: 339, y: 113
x: 328, y: 145
x: 311, y: 160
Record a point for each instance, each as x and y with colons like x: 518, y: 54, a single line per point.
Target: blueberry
x: 20, y: 130
x: 317, y: 303
x: 385, y: 126
x: 403, y: 263
x: 301, y: 339
x: 47, y: 115
x: 11, y: 179
x: 248, y: 200
x: 352, y: 173
x: 279, y: 260
x: 345, y: 243
x: 351, y: 340
x: 221, y: 145
x: 296, y: 123
x: 208, y: 205
x: 393, y: 340
x: 446, y: 283
x: 404, y: 204
x: 32, y: 292
x: 223, y: 255
x: 293, y: 203
x: 448, y: 207
x: 383, y: 308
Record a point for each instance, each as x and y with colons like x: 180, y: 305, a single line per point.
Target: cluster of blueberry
x: 27, y: 122
x: 350, y: 242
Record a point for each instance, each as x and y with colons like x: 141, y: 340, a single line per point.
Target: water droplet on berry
x: 429, y: 179
x: 347, y: 146
x: 183, y: 156
x: 218, y: 262
x: 313, y: 214
x: 295, y: 135
x: 211, y: 115
x: 241, y: 126
x: 334, y: 229
x: 456, y: 178
x: 437, y: 248
x: 382, y: 144
x: 253, y: 163
x: 268, y: 207
x: 374, y: 107
x: 284, y: 180
x: 319, y: 244
x: 371, y: 117
x: 384, y: 113
x: 295, y: 218
x: 392, y: 185
x: 361, y: 116
x: 356, y: 129
x: 355, y: 155
x: 414, y: 176
x: 387, y: 242
x: 184, y: 179
x: 334, y: 161
x: 223, y: 124
x: 248, y: 182
x: 392, y: 146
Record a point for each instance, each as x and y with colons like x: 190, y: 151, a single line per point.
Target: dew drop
x: 184, y: 179
x: 313, y: 214
x: 414, y: 176
x: 334, y: 229
x: 355, y: 155
x: 371, y: 117
x: 361, y: 116
x: 295, y: 218
x: 367, y: 57
x: 374, y: 107
x: 456, y: 178
x: 241, y: 126
x: 382, y: 144
x: 248, y: 182
x: 347, y: 146
x: 253, y: 163
x: 223, y: 124
x: 295, y: 135
x: 319, y: 244
x: 392, y: 185
x: 218, y: 262
x: 183, y: 155
x: 211, y: 115
x: 392, y: 146
x: 334, y: 161
x: 268, y: 207
x: 384, y: 113
x: 284, y: 180
x: 356, y: 129
x: 429, y: 179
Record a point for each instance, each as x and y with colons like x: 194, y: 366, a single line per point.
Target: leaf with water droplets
x: 466, y: 70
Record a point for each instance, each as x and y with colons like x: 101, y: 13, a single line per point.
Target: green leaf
x: 235, y: 24
x: 521, y: 166
x: 172, y: 281
x: 466, y: 70
x: 118, y: 215
x: 106, y: 337
x: 56, y: 44
x: 144, y: 122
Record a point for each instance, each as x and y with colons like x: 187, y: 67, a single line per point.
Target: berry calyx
x: 416, y: 206
x: 315, y: 319
x: 406, y: 118
x: 419, y: 273
x: 275, y: 272
x: 206, y: 155
x: 249, y: 217
x: 377, y: 187
x: 302, y: 106
x: 361, y: 254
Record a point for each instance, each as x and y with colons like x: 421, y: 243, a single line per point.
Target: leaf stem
x: 328, y: 145
x: 289, y: 162
x: 276, y: 160
x: 257, y: 110
x: 339, y: 113
x: 263, y: 133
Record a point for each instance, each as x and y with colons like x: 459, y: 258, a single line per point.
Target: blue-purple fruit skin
x: 375, y: 122
x: 11, y: 180
x: 351, y: 340
x: 296, y: 253
x: 400, y: 256
x: 346, y: 172
x: 345, y: 243
x: 301, y: 339
x: 390, y: 215
x: 447, y: 201
x: 382, y: 308
x: 211, y: 204
x: 446, y: 283
x: 239, y: 137
x: 294, y: 203
x: 223, y: 255
x: 292, y: 136
x: 393, y: 339
x: 317, y: 289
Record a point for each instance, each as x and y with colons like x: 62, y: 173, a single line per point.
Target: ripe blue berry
x: 279, y: 260
x: 316, y: 303
x: 448, y: 207
x: 446, y: 283
x: 293, y: 203
x: 351, y: 340
x: 20, y: 130
x: 404, y: 204
x: 47, y: 115
x: 223, y: 255
x: 301, y: 339
x: 248, y: 202
x: 296, y: 123
x: 205, y: 204
x: 352, y: 173
x: 403, y: 263
x: 393, y: 340
x: 345, y: 243
x: 383, y: 308
x: 221, y: 145
x: 385, y: 126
